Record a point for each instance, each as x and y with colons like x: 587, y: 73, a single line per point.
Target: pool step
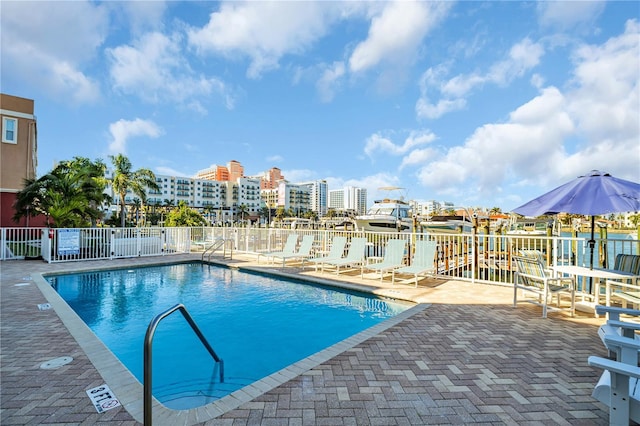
x: 195, y: 393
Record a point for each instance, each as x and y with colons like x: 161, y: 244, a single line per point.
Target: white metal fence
x: 20, y: 243
x: 479, y: 257
x: 75, y: 244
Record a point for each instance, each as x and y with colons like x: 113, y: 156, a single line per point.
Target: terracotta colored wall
x: 6, y: 214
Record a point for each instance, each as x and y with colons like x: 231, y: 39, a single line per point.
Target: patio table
x: 598, y: 274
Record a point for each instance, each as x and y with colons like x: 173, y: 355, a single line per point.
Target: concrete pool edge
x: 129, y: 390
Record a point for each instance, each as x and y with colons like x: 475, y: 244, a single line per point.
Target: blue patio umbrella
x: 593, y: 194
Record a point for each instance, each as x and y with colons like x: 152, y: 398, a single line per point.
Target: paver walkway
x: 468, y: 358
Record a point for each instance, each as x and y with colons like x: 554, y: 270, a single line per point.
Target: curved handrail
x: 148, y: 342
x: 220, y: 242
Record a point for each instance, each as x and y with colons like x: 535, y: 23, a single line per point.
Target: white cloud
x: 144, y: 15
x: 556, y: 136
x: 299, y: 175
x: 47, y: 45
x: 396, y: 33
x: 330, y: 80
x: 155, y: 70
x: 522, y: 57
x: 606, y: 99
x: 564, y: 15
x: 275, y: 159
x: 264, y: 31
x: 123, y: 130
x: 377, y: 142
x: 168, y: 171
x: 418, y: 156
x: 529, y: 144
x: 371, y: 183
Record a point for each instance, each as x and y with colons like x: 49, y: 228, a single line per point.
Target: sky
x: 482, y: 104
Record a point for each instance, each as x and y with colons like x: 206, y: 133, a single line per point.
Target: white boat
x: 443, y: 224
x: 537, y: 226
x: 386, y: 215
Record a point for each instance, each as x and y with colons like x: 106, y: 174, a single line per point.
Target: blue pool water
x: 257, y: 324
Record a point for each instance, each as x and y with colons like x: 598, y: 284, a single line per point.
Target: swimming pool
x: 256, y: 323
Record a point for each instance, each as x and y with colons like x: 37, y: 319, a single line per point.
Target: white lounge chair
x: 304, y: 252
x: 423, y: 262
x: 354, y: 257
x: 336, y: 252
x: 289, y: 248
x: 619, y: 387
x: 393, y: 258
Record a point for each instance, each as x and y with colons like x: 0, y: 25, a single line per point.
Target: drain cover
x: 56, y: 362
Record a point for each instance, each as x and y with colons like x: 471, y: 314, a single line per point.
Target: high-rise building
x: 236, y: 170
x: 271, y: 178
x: 349, y: 198
x: 317, y: 196
x: 18, y: 155
x: 336, y: 199
x: 231, y: 172
x: 293, y: 197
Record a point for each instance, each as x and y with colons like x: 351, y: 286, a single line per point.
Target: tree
x: 125, y: 179
x: 70, y: 196
x: 209, y: 209
x: 243, y: 210
x: 137, y: 205
x: 185, y: 216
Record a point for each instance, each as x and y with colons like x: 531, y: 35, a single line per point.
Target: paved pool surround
x: 463, y: 354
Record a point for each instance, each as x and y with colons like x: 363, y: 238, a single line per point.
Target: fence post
x: 3, y: 243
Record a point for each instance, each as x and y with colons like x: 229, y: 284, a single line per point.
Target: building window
x: 9, y: 130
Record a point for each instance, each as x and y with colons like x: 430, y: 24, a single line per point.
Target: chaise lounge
x: 423, y: 262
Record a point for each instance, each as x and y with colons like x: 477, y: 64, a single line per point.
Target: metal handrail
x: 148, y: 341
x: 220, y: 242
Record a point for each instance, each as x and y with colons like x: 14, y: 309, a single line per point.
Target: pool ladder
x: 148, y: 342
x: 217, y: 244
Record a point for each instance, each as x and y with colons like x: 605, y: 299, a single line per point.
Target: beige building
x: 18, y: 154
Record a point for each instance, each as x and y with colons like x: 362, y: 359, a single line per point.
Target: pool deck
x: 465, y: 356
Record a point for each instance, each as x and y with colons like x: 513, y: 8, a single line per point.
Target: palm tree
x: 185, y: 216
x: 71, y: 195
x: 208, y: 209
x: 242, y: 210
x: 125, y: 179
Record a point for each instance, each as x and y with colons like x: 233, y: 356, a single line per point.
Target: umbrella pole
x: 592, y: 245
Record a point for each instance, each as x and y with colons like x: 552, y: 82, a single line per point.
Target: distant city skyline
x: 478, y: 103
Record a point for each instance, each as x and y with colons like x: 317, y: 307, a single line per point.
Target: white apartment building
x: 222, y: 198
x: 317, y: 196
x: 349, y: 198
x: 293, y: 197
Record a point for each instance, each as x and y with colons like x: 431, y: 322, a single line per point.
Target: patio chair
x: 393, y: 258
x: 531, y: 277
x: 616, y: 326
x: 619, y: 387
x: 423, y: 261
x: 354, y: 257
x: 536, y: 254
x: 304, y: 251
x: 624, y: 292
x: 289, y: 248
x: 336, y: 252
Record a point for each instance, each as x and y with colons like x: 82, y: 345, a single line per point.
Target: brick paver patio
x: 469, y: 357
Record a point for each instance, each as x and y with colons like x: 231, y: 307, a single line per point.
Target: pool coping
x: 129, y: 390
